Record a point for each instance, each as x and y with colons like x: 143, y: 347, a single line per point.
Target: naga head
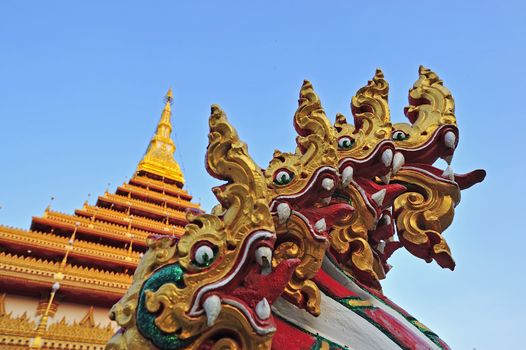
x: 427, y: 209
x: 301, y: 187
x: 215, y: 284
x: 367, y: 161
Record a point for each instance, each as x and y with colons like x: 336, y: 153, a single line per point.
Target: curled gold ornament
x: 423, y: 214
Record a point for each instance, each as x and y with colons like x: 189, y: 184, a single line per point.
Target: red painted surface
x: 408, y: 337
x: 332, y: 287
x: 288, y: 337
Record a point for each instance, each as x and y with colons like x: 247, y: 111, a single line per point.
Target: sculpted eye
x: 399, y: 135
x: 345, y: 142
x: 204, y: 255
x: 283, y: 177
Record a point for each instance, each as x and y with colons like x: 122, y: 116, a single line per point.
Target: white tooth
x: 448, y: 159
x: 386, y: 178
x: 390, y: 209
x: 263, y: 309
x: 378, y: 197
x: 283, y: 212
x: 381, y: 246
x: 327, y: 184
x: 264, y: 252
x: 326, y: 200
x: 448, y: 173
x: 387, y: 219
x: 347, y: 176
x: 212, y: 306
x: 449, y: 139
x: 320, y: 225
x: 398, y: 162
x: 387, y: 157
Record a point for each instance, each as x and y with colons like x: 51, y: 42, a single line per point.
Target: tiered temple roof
x: 90, y: 255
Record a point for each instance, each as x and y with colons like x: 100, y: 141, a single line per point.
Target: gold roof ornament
x: 159, y: 157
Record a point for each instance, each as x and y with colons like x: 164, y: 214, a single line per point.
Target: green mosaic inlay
x: 146, y: 320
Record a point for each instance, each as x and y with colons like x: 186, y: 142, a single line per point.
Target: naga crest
x: 295, y: 253
x: 387, y: 175
x: 301, y: 185
x: 212, y: 288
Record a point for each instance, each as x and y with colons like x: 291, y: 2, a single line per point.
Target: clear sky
x: 81, y: 88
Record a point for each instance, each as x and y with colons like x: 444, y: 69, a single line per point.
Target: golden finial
x: 159, y: 158
x: 169, y: 97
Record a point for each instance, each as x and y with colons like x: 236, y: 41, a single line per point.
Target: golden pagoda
x: 59, y: 278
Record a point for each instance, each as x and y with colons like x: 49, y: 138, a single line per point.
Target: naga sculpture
x: 293, y: 255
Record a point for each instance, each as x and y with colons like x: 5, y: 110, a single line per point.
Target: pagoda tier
x: 89, y: 257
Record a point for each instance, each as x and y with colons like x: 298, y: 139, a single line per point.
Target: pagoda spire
x: 159, y: 157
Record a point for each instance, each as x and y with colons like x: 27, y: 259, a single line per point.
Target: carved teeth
x: 263, y: 309
x: 326, y: 200
x: 283, y: 212
x: 327, y: 184
x: 387, y: 157
x: 448, y: 173
x: 347, y: 176
x: 381, y: 246
x: 398, y: 162
x: 386, y: 178
x: 264, y: 258
x: 449, y: 139
x: 378, y: 197
x: 212, y: 306
x: 320, y: 225
x: 386, y: 219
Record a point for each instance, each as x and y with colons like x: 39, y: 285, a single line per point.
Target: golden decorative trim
x: 42, y: 271
x: 37, y: 241
x: 171, y: 189
x: 133, y: 220
x: 145, y: 206
x: 182, y: 203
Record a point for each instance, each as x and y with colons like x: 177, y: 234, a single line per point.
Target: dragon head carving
x: 424, y: 212
x: 212, y: 288
x: 301, y: 187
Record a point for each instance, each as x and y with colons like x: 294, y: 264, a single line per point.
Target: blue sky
x: 81, y: 87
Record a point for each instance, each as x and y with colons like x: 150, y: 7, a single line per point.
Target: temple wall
x: 76, y: 312
x: 17, y: 305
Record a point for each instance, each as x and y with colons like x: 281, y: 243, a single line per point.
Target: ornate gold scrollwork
x: 316, y: 150
x: 423, y: 214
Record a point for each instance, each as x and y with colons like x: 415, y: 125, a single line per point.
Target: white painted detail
x: 448, y: 173
x: 387, y: 219
x: 386, y: 178
x: 387, y: 157
x: 263, y: 309
x: 448, y: 159
x: 320, y: 225
x: 340, y: 277
x: 212, y: 306
x: 337, y: 324
x: 262, y: 254
x: 379, y: 196
x: 347, y: 175
x: 398, y: 162
x: 449, y: 139
x: 381, y: 246
x: 326, y: 200
x: 327, y: 184
x: 283, y: 210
